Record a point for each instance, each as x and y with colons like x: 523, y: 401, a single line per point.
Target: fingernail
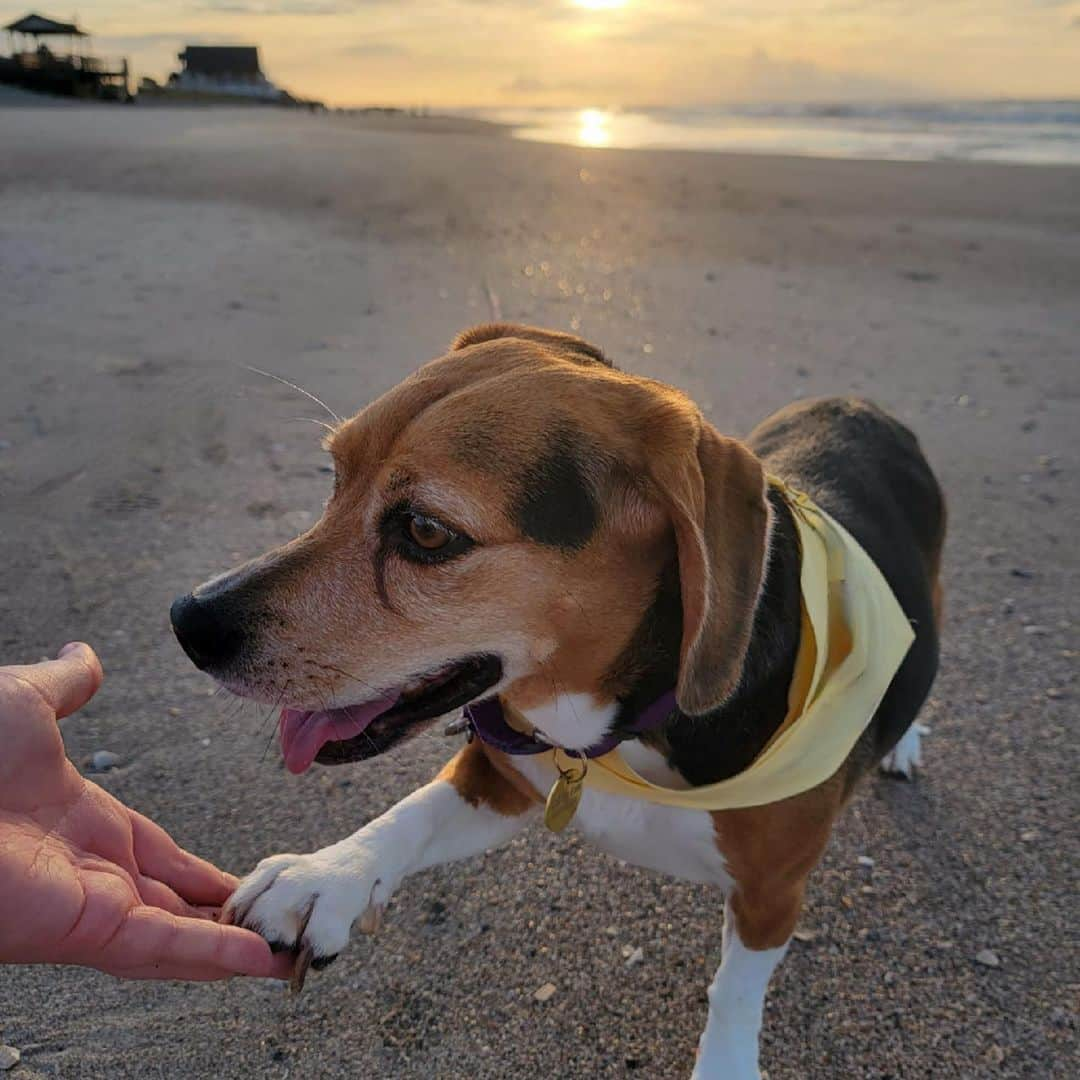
x: 69, y: 647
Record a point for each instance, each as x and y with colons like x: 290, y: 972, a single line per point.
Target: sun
x: 593, y: 127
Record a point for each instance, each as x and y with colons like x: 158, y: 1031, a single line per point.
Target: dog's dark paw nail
x: 236, y: 916
x: 320, y: 962
x: 898, y: 775
x: 300, y: 969
x: 280, y: 946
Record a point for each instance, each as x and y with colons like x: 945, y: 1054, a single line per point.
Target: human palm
x: 83, y: 878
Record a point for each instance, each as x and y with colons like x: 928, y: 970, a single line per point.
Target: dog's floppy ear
x: 714, y: 489
x: 575, y: 347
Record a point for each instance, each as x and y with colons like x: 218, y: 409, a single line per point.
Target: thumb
x: 68, y: 682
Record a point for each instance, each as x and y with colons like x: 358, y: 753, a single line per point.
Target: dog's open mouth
x: 356, y: 732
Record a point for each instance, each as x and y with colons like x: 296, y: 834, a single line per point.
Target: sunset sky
x: 445, y: 53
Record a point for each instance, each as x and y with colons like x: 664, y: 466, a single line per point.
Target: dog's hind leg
x: 906, y: 756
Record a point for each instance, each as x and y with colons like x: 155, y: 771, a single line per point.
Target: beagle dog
x: 519, y: 518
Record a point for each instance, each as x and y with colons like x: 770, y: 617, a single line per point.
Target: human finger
x: 157, y: 894
x: 151, y: 937
x: 66, y: 683
x: 280, y: 969
x: 160, y: 857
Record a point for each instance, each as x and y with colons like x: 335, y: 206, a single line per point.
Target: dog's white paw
x: 734, y: 1060
x: 906, y: 756
x: 307, y: 903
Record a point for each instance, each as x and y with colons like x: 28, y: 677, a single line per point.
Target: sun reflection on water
x: 594, y: 127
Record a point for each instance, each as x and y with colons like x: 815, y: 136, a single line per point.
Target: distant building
x: 225, y: 70
x: 41, y: 26
x: 35, y: 66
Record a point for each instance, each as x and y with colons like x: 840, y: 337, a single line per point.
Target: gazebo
x: 74, y: 74
x: 38, y: 26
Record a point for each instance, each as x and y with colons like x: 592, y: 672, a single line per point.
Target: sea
x: 1016, y: 132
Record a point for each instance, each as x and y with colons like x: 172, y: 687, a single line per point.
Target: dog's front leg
x: 728, y: 1049
x: 310, y: 902
x: 769, y: 850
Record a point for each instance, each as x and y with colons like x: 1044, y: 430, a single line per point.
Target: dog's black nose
x: 206, y: 630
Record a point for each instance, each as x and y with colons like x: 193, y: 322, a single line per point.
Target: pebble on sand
x: 102, y: 761
x: 635, y: 956
x: 865, y: 860
x: 9, y: 1057
x: 545, y: 992
x: 988, y: 958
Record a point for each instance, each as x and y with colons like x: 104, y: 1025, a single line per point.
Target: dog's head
x: 500, y: 521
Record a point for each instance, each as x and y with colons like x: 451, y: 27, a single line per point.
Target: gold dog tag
x: 563, y: 798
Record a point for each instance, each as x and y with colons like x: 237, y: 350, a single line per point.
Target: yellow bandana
x: 854, y: 638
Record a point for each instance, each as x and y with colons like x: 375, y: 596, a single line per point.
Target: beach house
x: 230, y: 71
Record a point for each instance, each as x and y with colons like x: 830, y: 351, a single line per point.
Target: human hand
x: 83, y: 878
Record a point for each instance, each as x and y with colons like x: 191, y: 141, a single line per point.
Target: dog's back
x: 866, y: 469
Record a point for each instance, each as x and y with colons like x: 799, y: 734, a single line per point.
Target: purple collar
x: 487, y: 721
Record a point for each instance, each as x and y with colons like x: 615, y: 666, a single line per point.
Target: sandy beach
x: 150, y: 257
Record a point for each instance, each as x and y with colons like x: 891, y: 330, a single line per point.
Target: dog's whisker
x: 230, y: 705
x: 556, y: 686
x: 580, y: 605
x: 273, y: 709
x: 266, y: 747
x: 347, y: 675
x: 299, y: 389
x: 231, y: 712
x: 310, y: 420
x: 264, y: 714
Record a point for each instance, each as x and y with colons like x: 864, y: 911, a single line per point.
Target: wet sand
x: 149, y: 257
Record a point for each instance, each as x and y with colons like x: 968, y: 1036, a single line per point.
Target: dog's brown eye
x: 418, y: 538
x: 427, y: 533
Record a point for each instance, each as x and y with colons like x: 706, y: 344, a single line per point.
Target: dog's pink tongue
x: 303, y: 734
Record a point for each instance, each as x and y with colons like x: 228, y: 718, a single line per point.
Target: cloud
x: 172, y: 41
x: 673, y: 30
x: 277, y: 7
x: 376, y: 48
x: 764, y: 79
x: 592, y: 89
x: 524, y: 85
x: 148, y: 40
x: 456, y: 9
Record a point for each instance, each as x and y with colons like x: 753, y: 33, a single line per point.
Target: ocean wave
x: 981, y: 112
x: 1019, y: 132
